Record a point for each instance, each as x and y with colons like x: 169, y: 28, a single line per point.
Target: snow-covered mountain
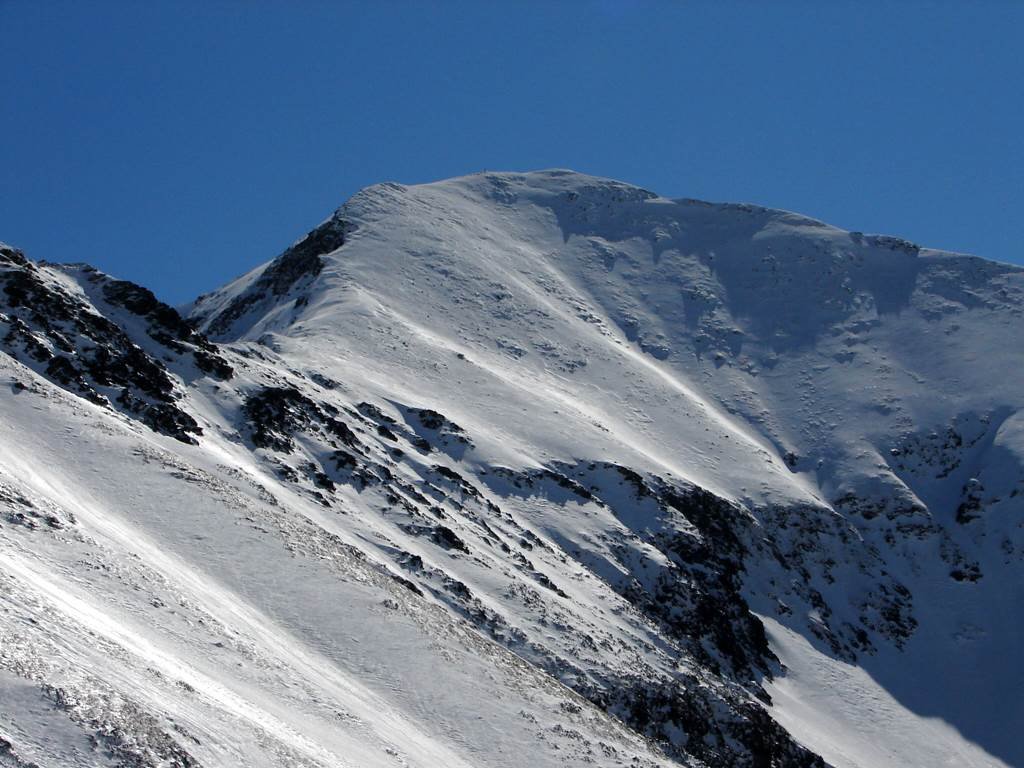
x: 519, y: 469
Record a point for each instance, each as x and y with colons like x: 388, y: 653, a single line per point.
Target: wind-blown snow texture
x: 519, y: 469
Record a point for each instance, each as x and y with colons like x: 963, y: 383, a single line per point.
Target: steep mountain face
x: 519, y: 469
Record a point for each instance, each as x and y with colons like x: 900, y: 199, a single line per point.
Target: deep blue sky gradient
x: 180, y: 144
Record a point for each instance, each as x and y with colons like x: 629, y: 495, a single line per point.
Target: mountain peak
x: 580, y: 222
x: 558, y: 455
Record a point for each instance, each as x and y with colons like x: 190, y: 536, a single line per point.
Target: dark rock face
x: 431, y: 419
x: 698, y: 602
x: 166, y: 326
x: 714, y: 563
x: 740, y: 734
x: 295, y: 267
x: 274, y: 414
x: 12, y: 256
x: 897, y: 244
x: 434, y: 430
x: 66, y: 339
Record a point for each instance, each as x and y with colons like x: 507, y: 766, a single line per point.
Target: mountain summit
x: 514, y: 469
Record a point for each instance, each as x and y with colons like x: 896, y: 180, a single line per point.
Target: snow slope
x: 522, y: 469
x: 177, y: 613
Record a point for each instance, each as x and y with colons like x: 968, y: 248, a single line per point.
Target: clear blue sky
x: 179, y: 144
